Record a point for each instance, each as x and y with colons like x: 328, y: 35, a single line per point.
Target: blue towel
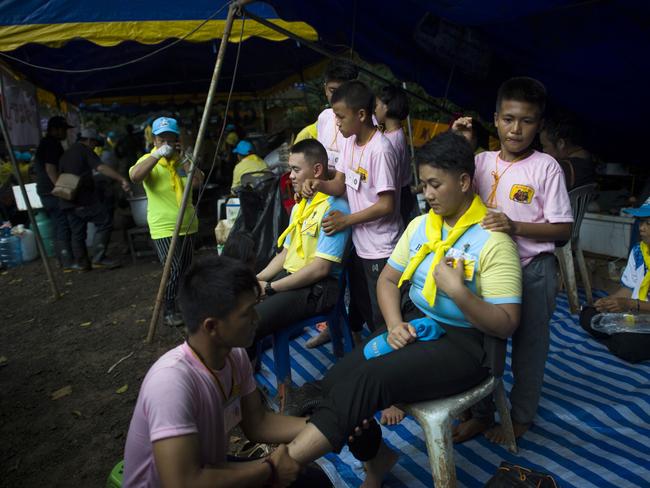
x: 426, y: 329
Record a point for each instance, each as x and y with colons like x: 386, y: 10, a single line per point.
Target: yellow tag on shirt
x: 363, y: 173
x: 522, y: 194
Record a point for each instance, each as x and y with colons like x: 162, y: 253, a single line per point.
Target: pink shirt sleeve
x: 168, y: 405
x: 385, y: 168
x: 342, y: 161
x: 557, y: 207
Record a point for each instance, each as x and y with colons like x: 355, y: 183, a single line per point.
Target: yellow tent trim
x: 145, y: 32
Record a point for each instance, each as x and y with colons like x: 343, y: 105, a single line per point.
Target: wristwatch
x: 268, y: 289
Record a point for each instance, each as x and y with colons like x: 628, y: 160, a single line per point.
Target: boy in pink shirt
x: 528, y: 195
x: 368, y: 172
x: 391, y: 108
x: 338, y: 72
x: 196, y: 393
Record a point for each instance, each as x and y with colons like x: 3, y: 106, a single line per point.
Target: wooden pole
x: 197, y: 148
x: 30, y: 211
x: 410, y: 129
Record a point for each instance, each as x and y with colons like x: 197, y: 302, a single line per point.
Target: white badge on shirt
x: 470, y: 261
x: 332, y: 157
x: 352, y: 179
x: 232, y: 413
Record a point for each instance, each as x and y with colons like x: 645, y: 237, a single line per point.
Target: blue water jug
x: 426, y: 329
x: 10, y: 253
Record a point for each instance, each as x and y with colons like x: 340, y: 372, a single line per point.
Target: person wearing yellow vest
x: 309, y: 132
x: 630, y: 298
x: 464, y: 280
x: 302, y: 280
x: 164, y: 177
x: 248, y: 162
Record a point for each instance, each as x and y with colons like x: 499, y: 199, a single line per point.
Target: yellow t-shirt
x: 491, y: 259
x: 250, y: 164
x: 315, y: 243
x: 309, y: 132
x: 162, y: 207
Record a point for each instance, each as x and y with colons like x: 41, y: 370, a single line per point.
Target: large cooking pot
x: 139, y: 210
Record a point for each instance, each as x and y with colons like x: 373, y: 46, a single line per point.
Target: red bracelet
x: 273, y: 478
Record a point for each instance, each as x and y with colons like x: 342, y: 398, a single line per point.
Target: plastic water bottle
x: 10, y: 254
x: 28, y: 248
x: 615, y: 323
x: 426, y: 329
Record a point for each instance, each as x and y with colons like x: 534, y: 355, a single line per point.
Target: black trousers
x: 78, y: 218
x: 628, y: 346
x: 356, y: 388
x: 288, y: 307
x: 181, y: 262
x: 364, y: 307
x: 58, y: 216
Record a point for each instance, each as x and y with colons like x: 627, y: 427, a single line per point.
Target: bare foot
x: 465, y: 415
x: 497, y: 434
x: 379, y: 467
x: 391, y: 415
x: 319, y: 340
x: 470, y: 428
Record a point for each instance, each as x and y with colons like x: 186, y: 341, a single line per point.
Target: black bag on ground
x: 514, y: 476
x: 261, y: 214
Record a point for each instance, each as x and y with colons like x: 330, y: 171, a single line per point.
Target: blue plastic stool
x: 339, y: 327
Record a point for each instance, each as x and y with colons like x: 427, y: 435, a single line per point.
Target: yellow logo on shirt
x: 521, y: 194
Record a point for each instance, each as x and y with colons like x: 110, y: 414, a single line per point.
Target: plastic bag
x: 615, y: 323
x: 261, y: 214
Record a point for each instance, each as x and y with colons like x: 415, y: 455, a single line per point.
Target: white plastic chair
x: 435, y: 416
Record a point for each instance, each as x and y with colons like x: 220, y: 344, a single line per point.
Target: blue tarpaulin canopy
x: 590, y: 54
x: 84, y: 35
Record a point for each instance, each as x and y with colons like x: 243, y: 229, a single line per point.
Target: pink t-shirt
x: 377, y: 164
x: 531, y: 190
x: 178, y: 397
x: 330, y: 136
x: 398, y: 140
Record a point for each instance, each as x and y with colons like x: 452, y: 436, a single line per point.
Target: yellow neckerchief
x: 302, y: 212
x: 645, y: 283
x: 176, y: 180
x: 475, y: 213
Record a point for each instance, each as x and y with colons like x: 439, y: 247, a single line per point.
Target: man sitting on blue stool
x: 303, y: 279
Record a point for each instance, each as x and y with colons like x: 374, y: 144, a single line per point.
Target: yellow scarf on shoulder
x: 645, y: 283
x: 475, y: 213
x: 176, y: 180
x: 302, y: 212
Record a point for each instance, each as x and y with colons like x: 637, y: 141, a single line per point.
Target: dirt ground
x: 46, y: 345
